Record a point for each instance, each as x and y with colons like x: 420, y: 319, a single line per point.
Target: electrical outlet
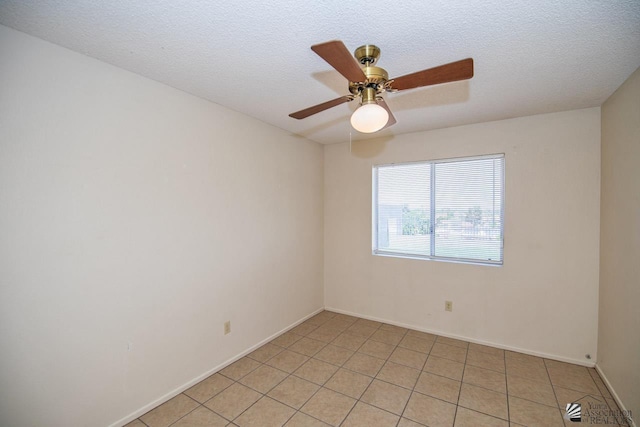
x: 448, y: 305
x: 227, y: 327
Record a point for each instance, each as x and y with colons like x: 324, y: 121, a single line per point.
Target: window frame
x: 432, y: 207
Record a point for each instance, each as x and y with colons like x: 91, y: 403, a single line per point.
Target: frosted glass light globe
x: 369, y: 118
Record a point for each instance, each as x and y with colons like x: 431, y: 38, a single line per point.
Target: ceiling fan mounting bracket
x: 367, y: 54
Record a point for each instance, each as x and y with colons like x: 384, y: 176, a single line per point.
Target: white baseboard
x: 473, y: 340
x: 173, y: 393
x: 613, y: 392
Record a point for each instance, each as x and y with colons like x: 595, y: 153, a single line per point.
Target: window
x: 445, y: 209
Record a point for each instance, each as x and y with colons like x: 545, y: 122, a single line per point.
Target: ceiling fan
x: 368, y: 83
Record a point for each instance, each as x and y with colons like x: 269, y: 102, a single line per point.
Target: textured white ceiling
x: 253, y: 56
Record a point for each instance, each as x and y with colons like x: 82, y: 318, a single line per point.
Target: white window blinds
x: 445, y: 209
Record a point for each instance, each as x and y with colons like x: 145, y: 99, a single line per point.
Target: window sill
x: 440, y: 259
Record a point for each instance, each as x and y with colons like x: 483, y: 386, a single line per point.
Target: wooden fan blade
x: 459, y: 70
x: 320, y: 107
x: 392, y: 119
x: 337, y: 55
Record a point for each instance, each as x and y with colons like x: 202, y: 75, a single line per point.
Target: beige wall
x: 133, y: 212
x: 619, y: 326
x: 544, y: 300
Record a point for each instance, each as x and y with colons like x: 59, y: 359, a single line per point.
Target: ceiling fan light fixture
x: 369, y: 118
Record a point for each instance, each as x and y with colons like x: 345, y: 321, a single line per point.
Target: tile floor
x: 337, y: 370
